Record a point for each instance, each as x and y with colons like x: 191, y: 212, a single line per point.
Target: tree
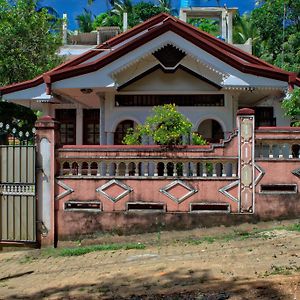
x: 166, y: 126
x: 244, y: 29
x: 85, y: 21
x: 275, y: 21
x: 28, y: 44
x: 208, y: 25
x: 106, y: 19
x: 291, y: 106
x: 142, y: 11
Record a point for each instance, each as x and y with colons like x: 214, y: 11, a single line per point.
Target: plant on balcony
x: 291, y: 106
x: 166, y: 126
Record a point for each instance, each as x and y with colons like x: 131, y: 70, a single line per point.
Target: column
x: 79, y: 126
x: 110, y: 138
x: 47, y: 136
x: 102, y: 132
x: 246, y: 169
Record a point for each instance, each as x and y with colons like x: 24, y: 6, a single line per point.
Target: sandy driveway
x: 172, y: 266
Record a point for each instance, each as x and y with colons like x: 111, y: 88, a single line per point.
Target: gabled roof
x: 144, y: 33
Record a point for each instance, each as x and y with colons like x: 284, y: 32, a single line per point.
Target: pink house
x: 90, y: 182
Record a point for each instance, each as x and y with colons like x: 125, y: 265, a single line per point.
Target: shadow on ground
x: 181, y: 284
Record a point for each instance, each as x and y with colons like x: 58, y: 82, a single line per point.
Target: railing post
x: 246, y: 171
x: 46, y: 138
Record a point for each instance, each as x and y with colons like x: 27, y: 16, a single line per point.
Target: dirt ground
x: 172, y: 266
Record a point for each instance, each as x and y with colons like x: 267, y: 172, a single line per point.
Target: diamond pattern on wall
x: 68, y: 190
x: 178, y: 191
x: 296, y: 172
x: 261, y: 173
x: 114, y: 190
x: 225, y: 190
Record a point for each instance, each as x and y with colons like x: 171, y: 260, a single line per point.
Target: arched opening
x: 211, y: 130
x: 121, y: 131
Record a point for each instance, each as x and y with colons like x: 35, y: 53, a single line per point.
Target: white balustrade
x: 277, y: 149
x: 148, y: 167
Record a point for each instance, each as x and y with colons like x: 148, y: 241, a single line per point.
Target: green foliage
x: 137, y: 13
x: 276, y: 21
x: 198, y: 139
x: 291, y: 106
x: 106, y: 19
x: 244, y: 29
x: 87, y: 249
x: 143, y: 11
x: 290, y: 58
x: 166, y: 126
x: 210, y: 26
x: 28, y: 43
x: 85, y: 21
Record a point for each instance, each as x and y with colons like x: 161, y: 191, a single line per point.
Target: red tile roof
x: 153, y: 28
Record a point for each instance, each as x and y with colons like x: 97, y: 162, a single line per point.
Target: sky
x: 75, y: 7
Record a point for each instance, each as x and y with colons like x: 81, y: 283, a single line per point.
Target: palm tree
x: 244, y: 30
x: 85, y: 21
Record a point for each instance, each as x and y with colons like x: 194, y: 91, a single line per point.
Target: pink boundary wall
x: 87, y: 199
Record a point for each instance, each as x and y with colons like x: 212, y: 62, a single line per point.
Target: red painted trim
x: 245, y: 111
x: 229, y: 54
x: 138, y: 147
x: 85, y: 56
x: 190, y: 35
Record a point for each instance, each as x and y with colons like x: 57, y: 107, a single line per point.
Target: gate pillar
x: 46, y: 139
x: 246, y: 167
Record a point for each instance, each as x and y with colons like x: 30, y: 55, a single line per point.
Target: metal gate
x: 17, y: 186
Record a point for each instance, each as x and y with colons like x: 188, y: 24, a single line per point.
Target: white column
x: 102, y: 132
x: 224, y: 25
x: 229, y: 27
x: 110, y: 138
x: 125, y: 21
x: 79, y: 126
x: 65, y: 29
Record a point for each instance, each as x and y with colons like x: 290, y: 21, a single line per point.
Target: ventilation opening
x: 142, y: 206
x: 83, y: 206
x: 210, y: 207
x: 278, y: 188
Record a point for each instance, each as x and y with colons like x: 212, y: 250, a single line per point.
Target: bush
x: 166, y: 126
x: 291, y: 106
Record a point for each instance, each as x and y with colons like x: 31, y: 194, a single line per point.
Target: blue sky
x: 75, y: 7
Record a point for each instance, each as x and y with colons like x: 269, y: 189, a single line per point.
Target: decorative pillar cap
x: 46, y: 122
x: 245, y: 111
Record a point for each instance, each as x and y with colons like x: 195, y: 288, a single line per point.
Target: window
x: 264, y: 116
x: 180, y: 100
x: 91, y: 119
x: 67, y: 119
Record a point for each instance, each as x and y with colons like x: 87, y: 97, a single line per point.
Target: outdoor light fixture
x: 86, y: 91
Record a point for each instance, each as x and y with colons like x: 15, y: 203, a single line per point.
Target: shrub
x: 166, y: 126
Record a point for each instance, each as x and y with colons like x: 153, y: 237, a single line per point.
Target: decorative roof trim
x: 157, y: 25
x: 190, y: 35
x: 160, y: 67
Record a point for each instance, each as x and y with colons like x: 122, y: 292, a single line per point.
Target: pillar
x: 102, y: 132
x: 110, y: 138
x: 47, y: 137
x: 79, y: 126
x: 246, y: 169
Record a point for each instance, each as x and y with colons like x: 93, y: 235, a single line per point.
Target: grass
x: 241, y: 235
x: 282, y: 270
x: 87, y: 249
x: 77, y: 251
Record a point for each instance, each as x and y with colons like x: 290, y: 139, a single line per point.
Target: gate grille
x: 17, y: 190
